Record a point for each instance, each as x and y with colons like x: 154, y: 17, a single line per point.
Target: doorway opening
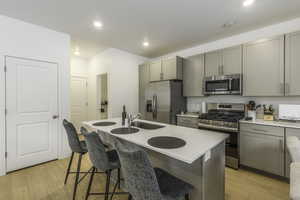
x: 102, y: 96
x: 79, y: 101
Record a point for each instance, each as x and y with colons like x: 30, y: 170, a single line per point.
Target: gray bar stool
x: 104, y: 161
x: 144, y: 182
x: 76, y: 146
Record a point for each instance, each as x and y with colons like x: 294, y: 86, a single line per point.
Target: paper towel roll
x: 203, y: 109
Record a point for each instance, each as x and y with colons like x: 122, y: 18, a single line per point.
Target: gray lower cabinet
x: 190, y: 122
x: 292, y: 64
x: 193, y: 73
x: 263, y: 67
x: 144, y: 77
x: 289, y: 132
x: 262, y: 148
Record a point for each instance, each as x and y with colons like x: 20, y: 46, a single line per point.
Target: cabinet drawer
x: 187, y: 122
x: 261, y: 129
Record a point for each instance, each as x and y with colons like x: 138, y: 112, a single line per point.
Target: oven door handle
x: 230, y: 84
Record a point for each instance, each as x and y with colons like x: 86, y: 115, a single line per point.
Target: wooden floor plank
x: 45, y: 182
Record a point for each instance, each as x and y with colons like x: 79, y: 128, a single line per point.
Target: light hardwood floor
x: 45, y: 182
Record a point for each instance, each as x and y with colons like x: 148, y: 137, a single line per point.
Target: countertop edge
x: 295, y: 125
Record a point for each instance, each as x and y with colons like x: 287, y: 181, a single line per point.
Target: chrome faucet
x: 131, y: 118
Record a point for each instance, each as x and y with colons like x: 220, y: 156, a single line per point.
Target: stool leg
x: 69, y: 167
x: 187, y: 197
x: 90, y: 183
x: 77, y: 176
x: 119, y: 178
x: 108, y: 173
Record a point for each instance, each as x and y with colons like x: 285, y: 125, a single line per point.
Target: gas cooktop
x: 222, y: 117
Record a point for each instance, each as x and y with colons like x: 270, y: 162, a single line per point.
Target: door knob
x: 55, y: 116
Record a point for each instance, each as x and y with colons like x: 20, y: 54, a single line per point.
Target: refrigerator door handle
x: 154, y: 111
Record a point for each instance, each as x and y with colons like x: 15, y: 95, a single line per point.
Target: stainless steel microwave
x: 223, y: 85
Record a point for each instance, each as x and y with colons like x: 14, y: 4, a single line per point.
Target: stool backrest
x: 73, y: 138
x: 139, y: 175
x: 97, y: 152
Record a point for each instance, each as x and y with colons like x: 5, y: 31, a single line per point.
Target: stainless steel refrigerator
x: 162, y: 101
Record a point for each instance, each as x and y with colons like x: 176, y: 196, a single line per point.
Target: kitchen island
x: 200, y: 162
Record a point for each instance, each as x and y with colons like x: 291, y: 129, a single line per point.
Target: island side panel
x: 214, y: 174
x: 190, y: 173
x: 208, y: 178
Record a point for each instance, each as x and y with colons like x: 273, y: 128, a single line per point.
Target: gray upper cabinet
x: 213, y: 62
x: 224, y: 62
x: 155, y: 70
x: 263, y: 67
x: 292, y: 64
x: 193, y: 73
x: 167, y: 69
x: 290, y: 132
x: 172, y: 68
x: 232, y: 60
x: 262, y: 147
x: 144, y: 77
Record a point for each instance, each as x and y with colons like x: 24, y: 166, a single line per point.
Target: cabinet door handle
x: 161, y: 76
x: 287, y: 88
x: 283, y: 88
x: 282, y: 145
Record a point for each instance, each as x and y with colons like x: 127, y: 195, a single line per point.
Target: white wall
x: 26, y: 40
x: 122, y: 70
x: 79, y: 66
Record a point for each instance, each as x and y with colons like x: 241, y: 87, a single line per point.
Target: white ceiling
x: 169, y: 25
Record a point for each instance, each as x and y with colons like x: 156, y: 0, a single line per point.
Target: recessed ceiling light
x: 97, y: 24
x: 248, y: 2
x: 145, y: 44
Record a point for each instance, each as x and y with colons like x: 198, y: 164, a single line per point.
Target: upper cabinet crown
x: 224, y: 62
x: 292, y: 64
x: 263, y: 67
x: 167, y: 69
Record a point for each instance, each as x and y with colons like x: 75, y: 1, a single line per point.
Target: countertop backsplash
x: 194, y: 103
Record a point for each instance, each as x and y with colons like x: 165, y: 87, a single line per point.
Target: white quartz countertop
x: 198, y: 142
x: 283, y: 124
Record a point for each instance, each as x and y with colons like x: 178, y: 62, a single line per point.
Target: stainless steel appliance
x: 222, y: 85
x: 225, y: 118
x: 163, y: 101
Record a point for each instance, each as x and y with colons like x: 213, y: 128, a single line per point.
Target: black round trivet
x: 124, y: 131
x: 104, y: 123
x: 165, y: 142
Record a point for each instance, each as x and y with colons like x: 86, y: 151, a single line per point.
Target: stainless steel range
x: 225, y: 118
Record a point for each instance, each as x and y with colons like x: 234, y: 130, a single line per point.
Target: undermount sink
x: 145, y: 125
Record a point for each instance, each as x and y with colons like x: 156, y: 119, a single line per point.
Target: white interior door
x: 32, y: 110
x: 78, y: 101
